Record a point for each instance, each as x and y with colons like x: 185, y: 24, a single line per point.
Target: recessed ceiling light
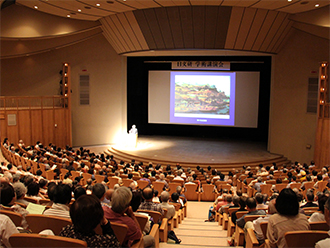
x: 98, y: 5
x: 317, y: 5
x: 36, y: 7
x: 79, y: 10
x: 68, y: 16
x: 289, y: 0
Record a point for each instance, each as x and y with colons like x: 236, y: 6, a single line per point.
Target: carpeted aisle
x: 195, y: 232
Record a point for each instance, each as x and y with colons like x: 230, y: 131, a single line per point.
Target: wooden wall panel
x: 164, y: 27
x: 234, y: 24
x: 36, y: 122
x: 187, y: 26
x: 141, y: 19
x: 198, y: 26
x: 222, y: 27
x: 154, y: 27
x: 122, y: 18
x: 60, y: 131
x: 211, y: 15
x: 175, y: 23
x: 136, y: 29
x: 244, y: 30
x: 255, y: 28
x: 24, y: 124
x: 48, y: 125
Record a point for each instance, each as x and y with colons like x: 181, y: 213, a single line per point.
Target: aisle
x: 195, y: 232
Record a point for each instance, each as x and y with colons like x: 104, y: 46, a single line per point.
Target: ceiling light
x: 98, y: 5
x: 79, y: 10
x: 317, y: 5
x: 36, y: 7
x: 289, y: 0
x: 68, y: 16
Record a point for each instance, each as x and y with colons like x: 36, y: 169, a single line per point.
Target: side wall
x: 291, y: 127
x: 104, y: 119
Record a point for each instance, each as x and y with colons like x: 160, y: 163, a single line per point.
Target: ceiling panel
x: 222, y: 26
x: 273, y: 5
x: 255, y: 28
x: 164, y: 26
x: 211, y: 14
x: 234, y: 24
x: 130, y: 33
x: 175, y: 24
x: 270, y: 18
x: 198, y: 20
x: 284, y: 36
x: 273, y: 30
x: 142, y: 21
x: 136, y: 29
x: 154, y: 28
x: 142, y: 4
x: 122, y: 33
x: 299, y: 7
x: 116, y: 6
x: 244, y: 29
x: 206, y: 2
x: 277, y: 38
x: 187, y: 26
x: 239, y: 3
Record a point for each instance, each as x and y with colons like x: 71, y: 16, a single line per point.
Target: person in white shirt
x: 165, y: 196
x: 7, y: 228
x: 62, y: 198
x: 319, y: 215
x: 325, y: 243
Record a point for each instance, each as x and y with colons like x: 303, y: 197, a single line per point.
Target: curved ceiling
x: 95, y: 9
x: 147, y: 25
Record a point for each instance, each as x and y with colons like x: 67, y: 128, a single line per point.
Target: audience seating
x: 99, y: 178
x: 142, y: 184
x: 296, y: 239
x: 37, y: 240
x: 39, y: 222
x: 31, y: 199
x: 127, y: 182
x: 266, y: 189
x: 173, y: 187
x: 191, y: 193
x: 231, y: 225
x: 112, y: 182
x: 208, y: 194
x: 319, y: 226
x: 15, y: 217
x: 159, y: 186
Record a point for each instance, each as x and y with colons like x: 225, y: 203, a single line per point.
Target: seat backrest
x: 37, y: 240
x: 241, y: 213
x: 251, y: 217
x: 112, y: 182
x: 231, y: 210
x: 263, y: 226
x: 295, y: 185
x: 44, y: 201
x: 99, y: 178
x: 173, y: 187
x: 142, y: 219
x: 39, y: 222
x: 31, y: 199
x: 280, y: 186
x: 191, y: 193
x: 156, y: 216
x: 320, y: 226
x: 158, y: 186
x: 142, y: 184
x: 15, y: 217
x: 304, y: 238
x: 120, y: 231
x: 126, y: 182
x: 176, y: 205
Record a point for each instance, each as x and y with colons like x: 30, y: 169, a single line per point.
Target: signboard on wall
x: 200, y: 65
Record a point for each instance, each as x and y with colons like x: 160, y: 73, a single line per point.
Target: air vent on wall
x: 312, y: 95
x: 84, y: 89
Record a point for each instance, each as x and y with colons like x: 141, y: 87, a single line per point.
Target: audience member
x: 325, y: 242
x: 86, y: 213
x: 165, y: 196
x: 147, y: 194
x: 286, y: 219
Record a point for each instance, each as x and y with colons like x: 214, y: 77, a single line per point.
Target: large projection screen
x: 203, y: 98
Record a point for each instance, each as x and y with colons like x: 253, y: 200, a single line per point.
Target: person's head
x: 98, y: 190
x: 161, y: 176
x: 148, y: 193
x: 136, y: 200
x: 164, y: 196
x: 251, y: 204
x: 229, y: 198
x: 33, y: 189
x: 319, y: 177
x: 179, y: 190
x: 175, y: 197
x: 20, y: 190
x: 121, y: 199
x: 259, y: 198
x: 50, y: 190
x: 79, y: 191
x: 310, y: 196
x: 7, y: 196
x: 43, y: 183
x: 327, y: 211
x: 259, y: 179
x: 287, y: 203
x: 62, y: 194
x: 236, y: 200
x: 321, y: 201
x: 242, y: 202
x: 86, y: 213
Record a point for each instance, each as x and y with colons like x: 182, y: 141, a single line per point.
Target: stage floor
x: 197, y: 150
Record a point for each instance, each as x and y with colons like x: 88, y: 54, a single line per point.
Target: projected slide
x: 202, y: 98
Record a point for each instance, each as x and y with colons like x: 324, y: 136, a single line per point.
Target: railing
x: 32, y: 102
